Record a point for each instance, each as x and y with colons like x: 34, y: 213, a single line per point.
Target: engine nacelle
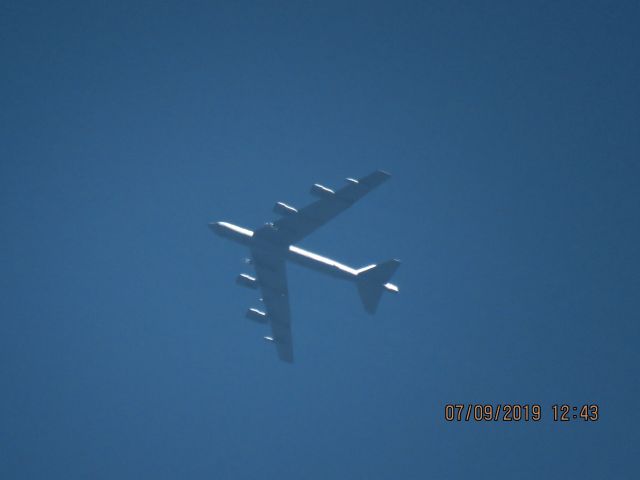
x: 247, y: 281
x: 256, y: 315
x: 321, y: 192
x: 284, y: 209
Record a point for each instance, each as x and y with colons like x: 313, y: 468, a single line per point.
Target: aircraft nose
x: 216, y: 227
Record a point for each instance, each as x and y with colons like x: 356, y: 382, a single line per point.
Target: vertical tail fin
x: 373, y: 280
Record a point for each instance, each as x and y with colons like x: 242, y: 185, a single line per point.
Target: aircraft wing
x: 298, y: 224
x: 272, y: 278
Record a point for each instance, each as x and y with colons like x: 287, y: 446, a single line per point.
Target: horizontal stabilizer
x: 373, y: 280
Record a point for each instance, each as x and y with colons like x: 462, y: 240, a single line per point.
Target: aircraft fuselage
x: 295, y: 254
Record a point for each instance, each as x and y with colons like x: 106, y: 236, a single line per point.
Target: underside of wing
x: 297, y: 224
x: 272, y: 279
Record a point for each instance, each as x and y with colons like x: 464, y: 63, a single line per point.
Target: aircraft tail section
x: 373, y: 280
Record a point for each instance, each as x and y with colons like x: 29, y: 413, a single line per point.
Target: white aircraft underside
x: 271, y: 246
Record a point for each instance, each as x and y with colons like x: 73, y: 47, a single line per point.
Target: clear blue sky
x: 512, y: 133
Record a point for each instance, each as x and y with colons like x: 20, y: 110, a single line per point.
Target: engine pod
x: 321, y: 191
x: 256, y: 315
x: 247, y: 281
x: 282, y: 208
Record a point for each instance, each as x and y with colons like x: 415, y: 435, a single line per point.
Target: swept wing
x: 297, y: 225
x: 272, y: 278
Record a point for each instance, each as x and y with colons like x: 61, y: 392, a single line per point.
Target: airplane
x: 272, y: 245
